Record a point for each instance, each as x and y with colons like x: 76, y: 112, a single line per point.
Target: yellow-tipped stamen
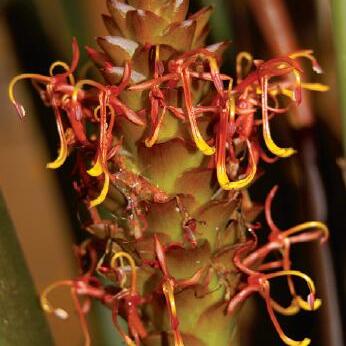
x: 150, y: 141
x: 308, y: 54
x: 79, y: 85
x: 306, y: 305
x: 46, y: 304
x: 297, y: 299
x: 301, y: 275
x: 272, y: 147
x: 215, y: 74
x: 287, y: 340
x: 239, y: 69
x: 290, y: 310
x: 315, y: 87
x: 64, y: 66
x: 16, y: 79
x: 96, y: 170
x: 102, y: 196
x: 63, y: 151
x: 168, y: 291
x: 119, y: 256
x: 306, y: 225
x: 239, y: 184
x: 201, y: 144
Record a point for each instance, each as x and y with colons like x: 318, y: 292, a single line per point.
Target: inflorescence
x: 233, y: 146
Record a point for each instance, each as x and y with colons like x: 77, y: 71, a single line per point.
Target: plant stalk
x: 21, y: 319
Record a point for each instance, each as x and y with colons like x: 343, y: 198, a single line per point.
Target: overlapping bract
x: 163, y: 150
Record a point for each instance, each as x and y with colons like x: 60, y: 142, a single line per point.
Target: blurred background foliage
x: 34, y: 33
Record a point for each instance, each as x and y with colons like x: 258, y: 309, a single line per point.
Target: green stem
x: 21, y: 319
x: 339, y: 28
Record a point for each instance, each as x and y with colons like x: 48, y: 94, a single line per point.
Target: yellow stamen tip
x: 102, y: 196
x: 306, y: 306
x: 204, y: 147
x: 59, y: 161
x: 97, y: 169
x: 305, y: 342
x: 273, y: 148
x: 315, y: 87
x: 120, y: 255
x: 239, y: 184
